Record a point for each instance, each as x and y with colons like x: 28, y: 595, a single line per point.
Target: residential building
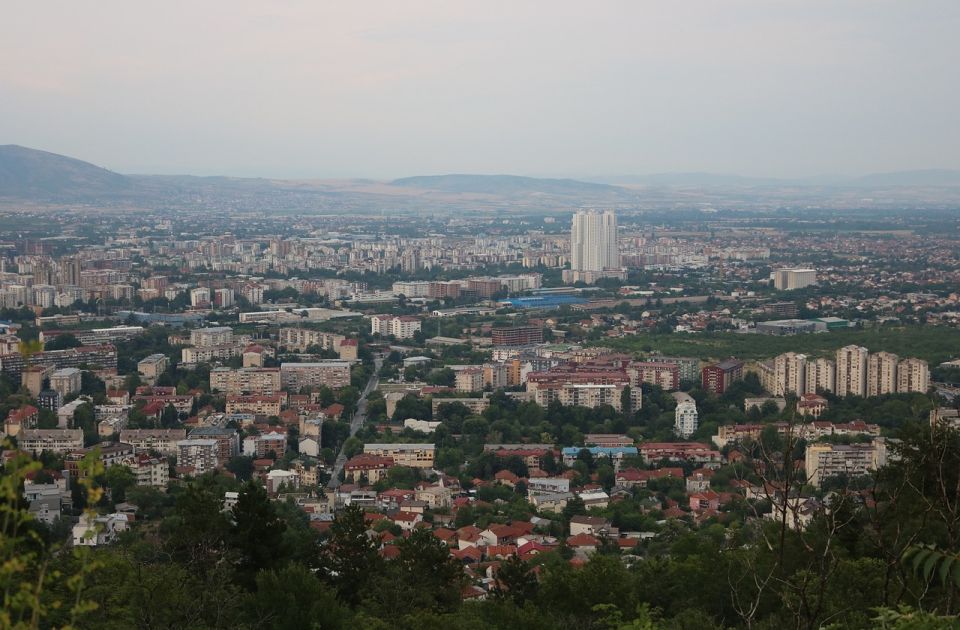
x: 200, y: 456
x: 469, y: 379
x: 17, y: 420
x: 371, y: 467
x: 210, y: 354
x: 827, y: 460
x: 66, y: 381
x: 151, y: 367
x: 913, y: 375
x: 662, y: 374
x: 332, y: 373
x: 689, y: 366
x: 789, y: 374
x: 616, y: 454
x: 696, y: 452
x: 251, y: 380
x: 299, y: 339
x: 821, y: 376
x: 200, y: 297
x: 412, y: 455
x: 259, y: 405
x: 812, y: 405
x: 400, y: 326
x: 36, y: 378
x: 36, y: 441
x: 495, y: 375
x: 94, y: 531
x: 685, y: 419
x: 717, y: 377
x: 160, y: 440
x: 151, y: 471
x: 227, y: 439
x: 583, y: 387
x: 852, y: 371
x: 882, y: 373
x: 593, y: 246
x: 211, y: 336
x: 796, y: 278
x: 517, y: 335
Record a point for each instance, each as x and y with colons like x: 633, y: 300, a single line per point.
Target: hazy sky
x: 385, y: 89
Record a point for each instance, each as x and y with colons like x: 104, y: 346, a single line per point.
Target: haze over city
x: 530, y: 315
x: 385, y: 89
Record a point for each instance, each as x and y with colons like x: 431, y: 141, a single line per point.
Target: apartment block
x: 827, y: 460
x: 882, y: 373
x: 299, y: 339
x: 151, y: 367
x: 261, y: 405
x: 852, y: 371
x: 198, y: 455
x: 35, y: 441
x: 255, y: 380
x: 412, y: 455
x: 717, y: 378
x: 662, y: 374
x: 333, y: 374
x: 66, y: 381
x: 821, y: 376
x: 790, y: 279
x: 789, y: 374
x: 913, y: 375
x: 160, y: 440
x: 211, y: 336
x: 517, y: 335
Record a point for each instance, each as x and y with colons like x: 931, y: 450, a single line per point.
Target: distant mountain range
x: 33, y: 176
x: 29, y: 173
x: 504, y: 185
x: 918, y: 178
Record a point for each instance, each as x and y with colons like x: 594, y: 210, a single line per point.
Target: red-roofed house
x: 407, y: 520
x: 708, y: 500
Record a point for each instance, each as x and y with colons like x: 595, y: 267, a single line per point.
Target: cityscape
x: 347, y: 400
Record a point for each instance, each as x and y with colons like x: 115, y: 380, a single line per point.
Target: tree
x: 62, y: 342
x: 256, y: 533
x: 170, y: 418
x: 292, y: 598
x: 423, y: 577
x: 241, y: 466
x: 352, y: 446
x: 196, y: 532
x: 515, y: 581
x: 575, y: 507
x: 119, y: 479
x: 348, y: 558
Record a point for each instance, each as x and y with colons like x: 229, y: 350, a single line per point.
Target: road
x: 359, y: 417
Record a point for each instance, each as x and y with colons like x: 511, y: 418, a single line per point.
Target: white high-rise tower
x: 593, y: 243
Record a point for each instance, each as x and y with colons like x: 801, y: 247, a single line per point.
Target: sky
x: 383, y: 89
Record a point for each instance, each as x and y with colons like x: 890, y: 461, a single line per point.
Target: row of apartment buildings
x: 854, y: 372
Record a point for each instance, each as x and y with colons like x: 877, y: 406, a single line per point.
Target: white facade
x: 593, y: 241
x: 789, y: 279
x: 686, y: 418
x: 852, y: 371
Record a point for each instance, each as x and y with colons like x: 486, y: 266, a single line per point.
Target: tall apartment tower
x: 593, y: 241
x: 789, y: 279
x: 913, y: 375
x: 882, y: 374
x: 821, y: 376
x: 790, y: 371
x: 852, y: 371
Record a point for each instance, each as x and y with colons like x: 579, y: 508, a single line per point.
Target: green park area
x: 934, y: 344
